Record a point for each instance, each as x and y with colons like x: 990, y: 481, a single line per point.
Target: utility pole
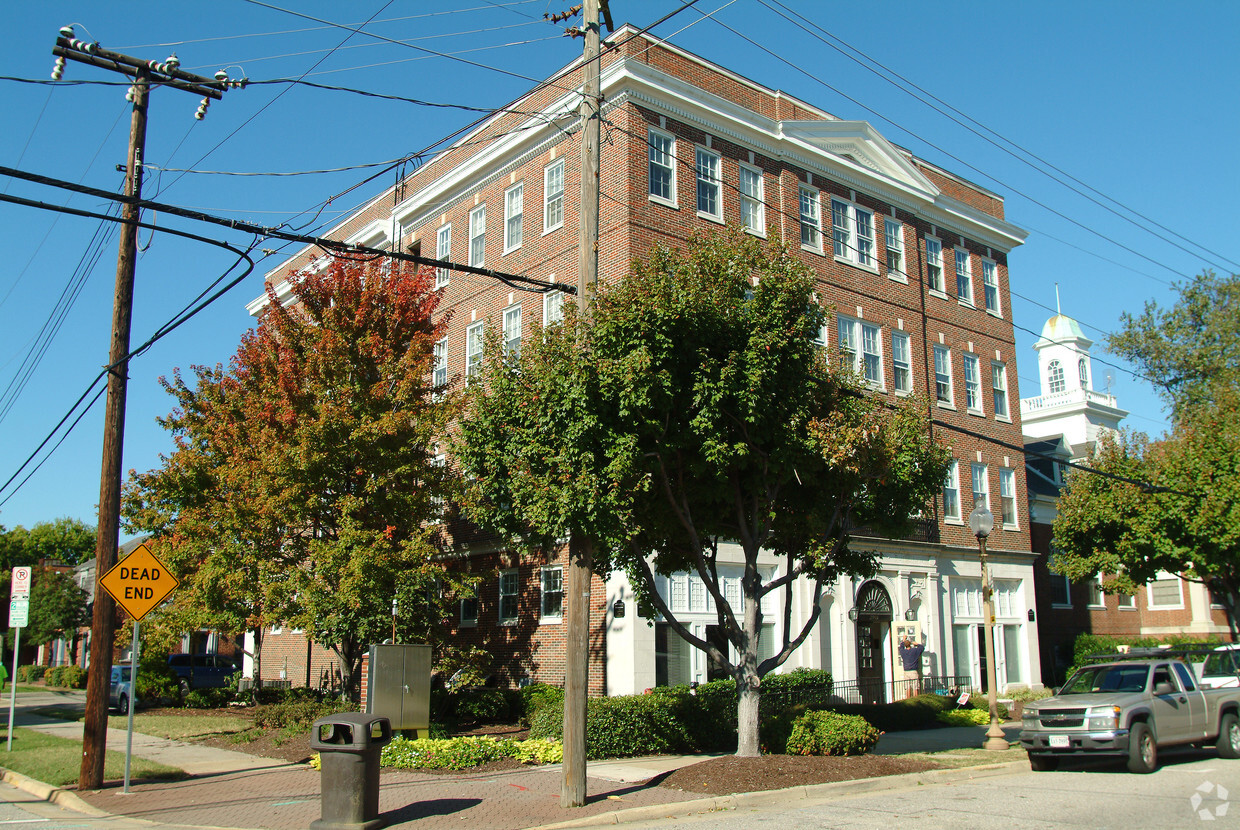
x: 581, y: 550
x: 103, y: 619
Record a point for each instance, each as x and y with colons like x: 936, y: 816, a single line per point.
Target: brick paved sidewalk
x: 286, y: 797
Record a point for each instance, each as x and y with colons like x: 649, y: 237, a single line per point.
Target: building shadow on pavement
x: 426, y: 809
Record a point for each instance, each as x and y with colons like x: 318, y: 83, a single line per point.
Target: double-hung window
x: 553, y: 195
x: 998, y: 385
x: 551, y: 590
x: 439, y: 378
x: 706, y: 166
x: 478, y: 236
x: 861, y: 350
x: 1165, y: 591
x: 662, y: 170
x: 964, y: 277
x: 981, y: 486
x: 1007, y: 497
x: 943, y: 376
x: 443, y: 251
x: 753, y: 208
x: 469, y: 612
x: 473, y: 350
x: 512, y: 331
x: 553, y: 307
x: 951, y: 492
x: 509, y: 588
x: 852, y: 229
x: 972, y: 383
x: 514, y: 211
x: 811, y: 219
x: 893, y: 234
x: 901, y: 363
x: 990, y: 286
x: 934, y: 265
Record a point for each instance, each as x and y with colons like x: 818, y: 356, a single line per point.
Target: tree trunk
x: 748, y: 693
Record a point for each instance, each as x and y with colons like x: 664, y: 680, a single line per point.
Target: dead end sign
x: 139, y: 582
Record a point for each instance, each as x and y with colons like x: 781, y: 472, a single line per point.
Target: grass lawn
x: 176, y: 727
x: 58, y: 761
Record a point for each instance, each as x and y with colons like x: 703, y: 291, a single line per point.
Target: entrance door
x: 982, y: 674
x: 870, y: 680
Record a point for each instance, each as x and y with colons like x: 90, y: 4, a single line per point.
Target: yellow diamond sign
x: 139, y: 582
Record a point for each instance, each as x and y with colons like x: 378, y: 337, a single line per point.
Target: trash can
x: 349, y: 745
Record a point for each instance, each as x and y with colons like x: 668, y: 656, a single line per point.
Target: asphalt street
x: 1180, y: 794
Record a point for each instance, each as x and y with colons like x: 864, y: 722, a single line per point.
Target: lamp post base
x: 995, y: 741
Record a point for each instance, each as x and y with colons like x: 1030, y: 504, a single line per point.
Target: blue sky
x: 1135, y: 99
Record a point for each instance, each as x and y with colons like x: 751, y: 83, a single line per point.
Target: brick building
x: 912, y: 259
x: 1063, y: 423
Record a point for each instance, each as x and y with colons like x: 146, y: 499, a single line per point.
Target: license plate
x: 1059, y: 742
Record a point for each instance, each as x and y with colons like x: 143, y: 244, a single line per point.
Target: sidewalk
x: 234, y: 790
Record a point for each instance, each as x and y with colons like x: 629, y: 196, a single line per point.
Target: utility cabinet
x: 399, y: 686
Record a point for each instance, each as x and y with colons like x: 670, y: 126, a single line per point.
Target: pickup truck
x: 1130, y: 708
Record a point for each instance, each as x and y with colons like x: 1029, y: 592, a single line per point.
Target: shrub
x: 980, y: 701
x: 965, y: 717
x: 463, y: 752
x: 29, y: 674
x: 297, y: 713
x: 156, y: 679
x: 209, y: 698
x: 774, y: 731
x: 68, y: 677
x: 535, y: 696
x: 480, y: 705
x: 828, y: 733
x: 917, y: 712
x: 619, y: 727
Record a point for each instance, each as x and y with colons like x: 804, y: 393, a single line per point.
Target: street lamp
x: 981, y: 522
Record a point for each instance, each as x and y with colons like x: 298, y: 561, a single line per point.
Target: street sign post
x: 19, y: 618
x: 138, y: 583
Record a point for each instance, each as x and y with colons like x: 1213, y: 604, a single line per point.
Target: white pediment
x: 858, y: 143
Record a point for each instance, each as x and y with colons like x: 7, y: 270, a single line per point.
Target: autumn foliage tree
x: 696, y: 424
x: 303, y: 488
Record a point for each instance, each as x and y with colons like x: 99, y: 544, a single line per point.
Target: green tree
x: 1182, y: 514
x: 57, y: 608
x: 693, y: 415
x: 304, y: 487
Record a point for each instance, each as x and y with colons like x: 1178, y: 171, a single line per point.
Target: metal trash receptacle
x: 349, y: 745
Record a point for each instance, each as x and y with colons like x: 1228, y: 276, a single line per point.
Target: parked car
x: 201, y: 671
x: 1131, y: 706
x: 120, y: 690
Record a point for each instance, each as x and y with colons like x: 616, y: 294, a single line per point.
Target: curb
x: 812, y: 793
x: 52, y: 795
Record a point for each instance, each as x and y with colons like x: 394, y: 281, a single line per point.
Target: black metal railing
x: 925, y: 529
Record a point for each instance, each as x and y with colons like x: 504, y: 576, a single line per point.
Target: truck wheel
x: 1229, y: 736
x: 183, y: 688
x: 1043, y: 763
x: 1142, y: 751
x: 123, y: 704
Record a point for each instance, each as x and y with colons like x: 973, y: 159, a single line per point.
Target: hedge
x: 829, y: 733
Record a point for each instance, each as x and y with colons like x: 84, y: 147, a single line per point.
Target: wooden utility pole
x: 103, y: 618
x: 581, y: 551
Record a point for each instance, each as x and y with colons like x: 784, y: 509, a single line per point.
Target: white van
x: 1221, y: 669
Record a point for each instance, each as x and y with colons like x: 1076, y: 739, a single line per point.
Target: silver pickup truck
x: 1130, y: 708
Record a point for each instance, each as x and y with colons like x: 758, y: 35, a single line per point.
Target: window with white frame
x: 901, y: 362
x: 551, y: 594
x: 439, y: 461
x: 1093, y: 591
x: 967, y: 597
x: 1082, y: 369
x: 990, y: 286
x: 934, y: 265
x: 509, y: 589
x: 478, y: 236
x: 1054, y: 376
x: 553, y: 195
x: 972, y: 383
x: 852, y: 229
x: 512, y: 331
x: 951, y: 492
x: 943, y: 375
x: 998, y: 386
x: 811, y: 219
x: 706, y: 166
x: 553, y: 307
x: 1126, y: 601
x: 753, y: 208
x: 1165, y: 592
x: 981, y: 486
x: 1007, y: 497
x: 443, y: 251
x: 1061, y: 591
x: 469, y: 612
x: 893, y: 233
x: 439, y: 378
x: 473, y: 350
x: 964, y: 277
x: 662, y: 167
x: 514, y: 212
x: 861, y: 349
